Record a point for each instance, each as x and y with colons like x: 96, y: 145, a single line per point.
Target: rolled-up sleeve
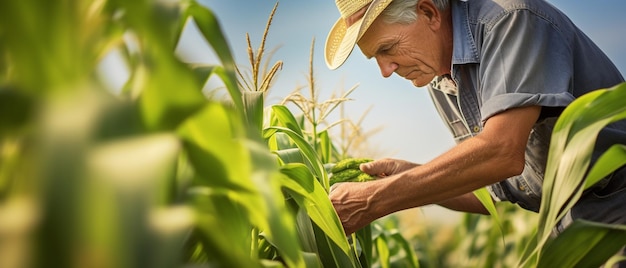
x: 526, y: 61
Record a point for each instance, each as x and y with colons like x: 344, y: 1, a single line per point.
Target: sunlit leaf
x: 215, y: 210
x: 286, y: 119
x: 325, y: 145
x: 308, y: 152
x: 572, y: 142
x: 292, y: 155
x: 584, y: 244
x: 211, y: 30
x: 610, y: 161
x: 410, y: 257
x: 253, y: 109
x: 310, y: 195
x: 485, y: 198
x: 217, y: 155
x: 364, y: 239
x: 382, y: 249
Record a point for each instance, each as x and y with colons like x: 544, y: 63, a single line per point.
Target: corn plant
x: 157, y: 175
x: 583, y: 243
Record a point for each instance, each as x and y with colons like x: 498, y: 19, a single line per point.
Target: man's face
x: 413, y: 51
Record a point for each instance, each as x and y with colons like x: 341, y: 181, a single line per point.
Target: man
x: 499, y: 72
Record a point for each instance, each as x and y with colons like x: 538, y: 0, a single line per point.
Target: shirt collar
x: 464, y: 46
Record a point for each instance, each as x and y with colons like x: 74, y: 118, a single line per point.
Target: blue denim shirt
x: 515, y: 53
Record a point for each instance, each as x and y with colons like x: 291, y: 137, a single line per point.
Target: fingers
x: 382, y: 167
x: 333, y: 187
x: 386, y: 167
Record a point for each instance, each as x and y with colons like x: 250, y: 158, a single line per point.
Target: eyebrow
x: 382, y: 46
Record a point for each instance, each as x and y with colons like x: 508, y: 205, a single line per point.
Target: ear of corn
x: 347, y: 170
x: 349, y: 163
x: 364, y: 177
x: 345, y: 175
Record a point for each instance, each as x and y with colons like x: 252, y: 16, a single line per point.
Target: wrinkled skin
x: 342, y: 193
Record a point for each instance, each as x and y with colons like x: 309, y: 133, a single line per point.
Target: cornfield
x: 164, y: 174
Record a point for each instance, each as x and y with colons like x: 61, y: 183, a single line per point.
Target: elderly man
x: 499, y: 72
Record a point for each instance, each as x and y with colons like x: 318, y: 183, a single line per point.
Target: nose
x: 387, y: 67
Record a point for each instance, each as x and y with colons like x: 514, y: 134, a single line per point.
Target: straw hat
x: 342, y: 38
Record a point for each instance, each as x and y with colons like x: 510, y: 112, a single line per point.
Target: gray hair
x: 403, y: 11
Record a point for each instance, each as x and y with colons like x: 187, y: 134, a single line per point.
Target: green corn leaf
x: 286, y: 119
x: 277, y: 223
x: 305, y: 228
x: 253, y: 110
x: 215, y: 210
x: 311, y: 196
x: 485, y: 198
x: 169, y: 95
x: 410, y: 258
x: 614, y: 260
x: 583, y: 244
x: 364, y: 239
x: 223, y: 159
x: 325, y: 146
x: 382, y: 248
x: 572, y: 142
x: 308, y: 152
x: 219, y: 158
x: 331, y: 255
x: 291, y: 155
x: 202, y: 72
x: 211, y: 30
x: 611, y: 160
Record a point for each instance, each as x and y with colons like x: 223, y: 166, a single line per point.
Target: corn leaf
x: 292, y: 155
x: 211, y: 31
x: 364, y: 240
x: 277, y: 224
x: 253, y: 110
x: 612, y: 159
x: 410, y: 258
x: 583, y: 244
x: 325, y: 145
x: 485, y: 198
x: 222, y: 160
x: 311, y: 196
x: 382, y: 248
x: 212, y: 152
x: 169, y: 95
x: 285, y: 118
x: 308, y: 152
x: 305, y: 228
x: 202, y: 72
x: 331, y: 255
x: 572, y: 142
x: 215, y: 210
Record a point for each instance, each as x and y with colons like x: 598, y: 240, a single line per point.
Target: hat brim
x: 342, y: 39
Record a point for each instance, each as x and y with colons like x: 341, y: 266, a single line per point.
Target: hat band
x: 356, y: 16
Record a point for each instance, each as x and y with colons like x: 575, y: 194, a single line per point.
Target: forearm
x: 465, y: 203
x: 473, y: 164
x: 495, y: 154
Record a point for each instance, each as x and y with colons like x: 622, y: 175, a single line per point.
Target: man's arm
x: 385, y: 167
x: 493, y: 155
x: 465, y: 203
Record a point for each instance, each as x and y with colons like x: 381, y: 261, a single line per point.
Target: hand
x: 386, y: 167
x: 353, y: 203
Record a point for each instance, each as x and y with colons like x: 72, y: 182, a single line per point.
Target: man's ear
x: 429, y: 11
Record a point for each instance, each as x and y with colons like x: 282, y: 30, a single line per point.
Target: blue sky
x: 411, y: 129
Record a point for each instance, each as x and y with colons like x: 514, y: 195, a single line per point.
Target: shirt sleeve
x: 525, y: 61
